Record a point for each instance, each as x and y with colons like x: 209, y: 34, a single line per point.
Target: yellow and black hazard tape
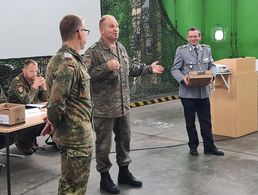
x: 153, y: 101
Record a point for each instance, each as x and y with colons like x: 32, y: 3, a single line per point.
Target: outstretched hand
x: 156, y: 68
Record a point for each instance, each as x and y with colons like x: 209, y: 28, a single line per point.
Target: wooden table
x: 30, y: 121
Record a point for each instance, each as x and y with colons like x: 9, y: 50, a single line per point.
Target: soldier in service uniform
x: 26, y: 88
x: 69, y: 107
x: 109, y: 68
x: 195, y: 99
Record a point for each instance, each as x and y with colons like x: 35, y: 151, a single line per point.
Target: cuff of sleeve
x: 33, y: 89
x: 53, y: 126
x: 150, y: 69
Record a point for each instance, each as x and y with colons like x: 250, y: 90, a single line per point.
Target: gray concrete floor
x: 160, y: 159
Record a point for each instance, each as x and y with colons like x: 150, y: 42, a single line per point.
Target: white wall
x: 29, y: 28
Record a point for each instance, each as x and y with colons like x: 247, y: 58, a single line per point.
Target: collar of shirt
x: 105, y: 45
x: 195, y: 46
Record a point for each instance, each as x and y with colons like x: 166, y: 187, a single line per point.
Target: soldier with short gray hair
x: 109, y: 68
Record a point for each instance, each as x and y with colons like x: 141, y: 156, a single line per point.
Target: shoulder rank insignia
x: 182, y: 46
x: 68, y: 55
x: 204, y: 45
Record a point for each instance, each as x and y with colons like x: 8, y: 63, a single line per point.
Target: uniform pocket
x: 189, y: 66
x: 85, y: 85
x: 205, y: 63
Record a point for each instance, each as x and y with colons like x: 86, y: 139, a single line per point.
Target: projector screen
x: 30, y: 28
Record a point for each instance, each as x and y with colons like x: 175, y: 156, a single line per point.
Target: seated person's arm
x: 18, y: 90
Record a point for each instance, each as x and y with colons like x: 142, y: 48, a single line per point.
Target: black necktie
x: 196, y: 50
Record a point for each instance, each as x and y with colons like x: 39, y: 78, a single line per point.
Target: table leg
x: 8, y: 164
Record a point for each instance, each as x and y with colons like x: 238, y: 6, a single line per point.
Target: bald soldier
x: 195, y: 99
x: 28, y: 87
x: 69, y: 106
x: 109, y: 68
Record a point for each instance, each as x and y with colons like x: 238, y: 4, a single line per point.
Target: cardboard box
x: 200, y: 78
x: 239, y: 65
x: 12, y: 114
x: 234, y: 112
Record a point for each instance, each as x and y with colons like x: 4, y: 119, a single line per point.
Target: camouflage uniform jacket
x: 2, y: 96
x: 69, y: 107
x: 21, y: 92
x: 110, y: 89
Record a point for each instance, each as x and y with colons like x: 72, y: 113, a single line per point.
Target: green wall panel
x: 170, y: 6
x: 218, y: 15
x: 237, y: 19
x: 188, y: 14
x: 247, y: 28
x: 184, y: 14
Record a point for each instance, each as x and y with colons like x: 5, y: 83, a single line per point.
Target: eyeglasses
x: 85, y: 30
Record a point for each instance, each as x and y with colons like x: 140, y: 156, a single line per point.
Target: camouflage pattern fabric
x: 69, y: 111
x: 3, y: 98
x: 69, y: 105
x: 104, y: 128
x: 21, y: 92
x: 75, y: 170
x: 110, y: 90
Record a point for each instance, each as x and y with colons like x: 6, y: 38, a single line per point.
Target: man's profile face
x: 193, y: 37
x: 84, y: 35
x: 30, y: 72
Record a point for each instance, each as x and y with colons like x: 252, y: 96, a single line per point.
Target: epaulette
x: 119, y: 43
x: 68, y: 55
x: 182, y: 46
x: 17, y: 78
x: 204, y: 45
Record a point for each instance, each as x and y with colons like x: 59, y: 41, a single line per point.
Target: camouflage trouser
x: 103, y: 128
x: 75, y: 168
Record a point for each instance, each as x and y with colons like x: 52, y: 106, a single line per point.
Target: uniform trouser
x: 75, y: 170
x: 202, y: 108
x: 103, y: 128
x: 28, y: 136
